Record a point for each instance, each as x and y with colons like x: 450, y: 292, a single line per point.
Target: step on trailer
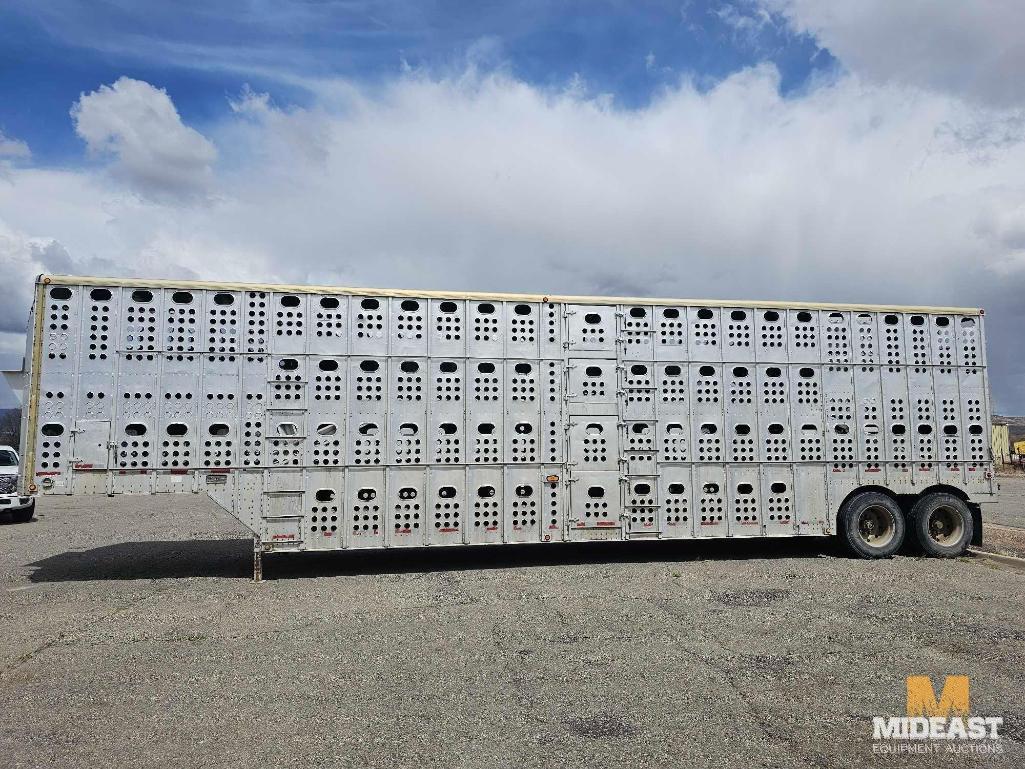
x: 331, y: 418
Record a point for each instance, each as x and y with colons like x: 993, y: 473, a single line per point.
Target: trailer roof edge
x: 75, y: 280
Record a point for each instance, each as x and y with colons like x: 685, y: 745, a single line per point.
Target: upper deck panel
x: 70, y: 280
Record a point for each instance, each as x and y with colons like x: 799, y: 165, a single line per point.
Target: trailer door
x: 91, y: 448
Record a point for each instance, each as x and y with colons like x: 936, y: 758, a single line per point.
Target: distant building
x: 1001, y: 443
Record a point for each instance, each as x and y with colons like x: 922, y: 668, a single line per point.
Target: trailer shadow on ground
x: 232, y: 558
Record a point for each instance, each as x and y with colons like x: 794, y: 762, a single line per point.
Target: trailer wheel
x: 25, y: 514
x: 942, y: 525
x: 872, y: 525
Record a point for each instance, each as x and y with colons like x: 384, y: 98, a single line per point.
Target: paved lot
x: 134, y: 637
x: 1009, y: 509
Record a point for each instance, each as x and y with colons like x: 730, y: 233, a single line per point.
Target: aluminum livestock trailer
x: 331, y: 418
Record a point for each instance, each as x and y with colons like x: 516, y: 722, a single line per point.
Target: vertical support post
x: 257, y: 560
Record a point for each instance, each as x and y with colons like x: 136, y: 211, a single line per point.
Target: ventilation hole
x: 670, y: 312
x: 676, y: 488
x: 901, y: 429
x: 289, y: 301
x: 595, y: 492
x: 329, y: 302
x: 771, y: 316
x: 917, y: 320
x: 177, y: 429
x: 804, y: 316
x: 642, y: 488
x: 60, y: 293
x: 324, y: 495
x: 181, y: 297
x: 409, y: 366
x: 778, y: 488
x: 522, y: 309
x: 523, y: 368
x: 673, y: 371
x: 52, y: 429
x: 367, y: 428
x: 99, y: 295
x: 486, y: 368
x: 807, y: 373
x: 740, y: 371
x: 369, y: 365
x: 524, y: 491
x: 706, y: 371
x: 408, y: 429
x: 710, y: 488
x: 224, y: 299
x: 447, y: 307
x: 942, y: 322
x: 142, y: 295
x: 775, y: 428
x: 742, y: 429
x: 288, y: 428
x: 448, y: 428
x: 447, y: 367
x: 327, y: 428
x: 738, y: 315
x: 410, y: 305
x: 288, y: 364
x: 744, y: 488
x: 328, y: 365
x: 891, y: 320
x: 709, y: 429
x: 639, y: 370
x: 486, y: 308
x: 447, y: 492
x: 485, y: 428
x: 592, y: 318
x: 135, y: 429
x: 486, y: 491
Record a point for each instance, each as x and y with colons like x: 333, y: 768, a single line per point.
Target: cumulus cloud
x: 971, y: 49
x: 853, y: 191
x: 13, y: 148
x: 137, y: 124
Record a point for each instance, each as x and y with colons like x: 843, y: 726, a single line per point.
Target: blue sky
x: 202, y: 52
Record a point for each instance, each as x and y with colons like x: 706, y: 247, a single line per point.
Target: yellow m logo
x: 953, y: 700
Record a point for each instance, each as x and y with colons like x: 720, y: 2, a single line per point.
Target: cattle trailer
x: 328, y: 418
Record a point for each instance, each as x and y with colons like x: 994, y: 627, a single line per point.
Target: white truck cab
x: 21, y: 508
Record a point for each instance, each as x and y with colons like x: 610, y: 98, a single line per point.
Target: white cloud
x: 972, y: 49
x: 853, y: 191
x: 13, y: 148
x: 156, y: 154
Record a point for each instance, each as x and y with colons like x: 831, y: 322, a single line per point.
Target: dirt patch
x: 1004, y: 540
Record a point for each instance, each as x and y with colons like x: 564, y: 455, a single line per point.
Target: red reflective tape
x: 48, y: 473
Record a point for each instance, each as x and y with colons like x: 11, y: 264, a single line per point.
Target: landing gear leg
x: 257, y: 560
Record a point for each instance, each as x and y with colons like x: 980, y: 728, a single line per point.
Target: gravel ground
x: 133, y: 636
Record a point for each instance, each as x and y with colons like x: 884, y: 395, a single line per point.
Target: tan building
x: 1001, y: 443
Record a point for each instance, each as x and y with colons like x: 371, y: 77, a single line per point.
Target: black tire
x: 25, y: 514
x: 942, y: 525
x: 872, y: 525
